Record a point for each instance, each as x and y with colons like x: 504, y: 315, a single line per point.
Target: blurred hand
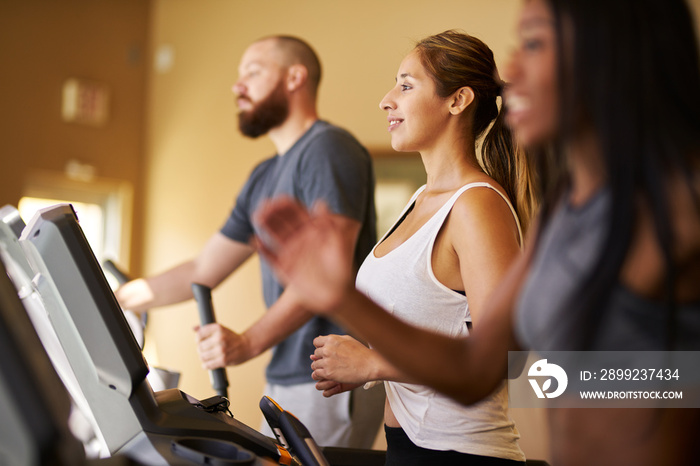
x: 133, y: 294
x: 307, y: 251
x: 219, y: 346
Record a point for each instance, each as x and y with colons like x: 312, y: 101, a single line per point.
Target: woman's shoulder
x: 480, y: 196
x: 684, y: 203
x: 645, y: 270
x: 483, y: 209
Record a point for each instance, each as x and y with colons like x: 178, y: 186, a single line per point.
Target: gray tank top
x: 566, y: 253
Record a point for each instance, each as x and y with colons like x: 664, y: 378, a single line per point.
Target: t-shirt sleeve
x: 335, y: 168
x: 238, y: 225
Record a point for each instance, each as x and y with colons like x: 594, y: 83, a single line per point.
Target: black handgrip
x: 202, y: 294
x: 116, y: 272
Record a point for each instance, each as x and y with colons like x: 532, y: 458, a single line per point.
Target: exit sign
x: 85, y: 102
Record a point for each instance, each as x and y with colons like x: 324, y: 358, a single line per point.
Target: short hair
x: 297, y: 51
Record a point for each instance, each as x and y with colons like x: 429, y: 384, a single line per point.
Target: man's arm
x: 217, y: 260
x: 219, y: 346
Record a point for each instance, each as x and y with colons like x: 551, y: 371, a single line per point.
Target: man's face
x: 260, y: 89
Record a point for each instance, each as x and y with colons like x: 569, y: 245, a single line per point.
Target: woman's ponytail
x: 505, y: 162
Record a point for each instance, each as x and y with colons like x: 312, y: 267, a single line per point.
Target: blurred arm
x: 219, y: 258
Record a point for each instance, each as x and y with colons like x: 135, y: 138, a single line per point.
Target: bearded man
x: 316, y: 161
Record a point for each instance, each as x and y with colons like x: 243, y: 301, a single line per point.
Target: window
x: 103, y: 208
x: 90, y: 216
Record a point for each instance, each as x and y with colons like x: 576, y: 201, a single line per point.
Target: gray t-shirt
x: 567, y: 251
x: 326, y: 163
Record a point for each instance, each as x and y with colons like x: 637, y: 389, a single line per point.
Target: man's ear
x: 296, y: 77
x: 461, y: 99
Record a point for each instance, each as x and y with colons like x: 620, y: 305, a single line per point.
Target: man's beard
x: 267, y: 114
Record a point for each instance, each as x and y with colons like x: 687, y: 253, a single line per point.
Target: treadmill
x: 165, y: 427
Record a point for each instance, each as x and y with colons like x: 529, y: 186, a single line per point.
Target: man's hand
x: 134, y: 295
x: 219, y: 346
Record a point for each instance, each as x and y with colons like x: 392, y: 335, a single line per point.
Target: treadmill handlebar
x: 202, y: 295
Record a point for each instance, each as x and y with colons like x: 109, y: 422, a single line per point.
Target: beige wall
x: 43, y: 43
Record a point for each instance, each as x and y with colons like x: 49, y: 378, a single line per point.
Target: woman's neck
x: 450, y: 166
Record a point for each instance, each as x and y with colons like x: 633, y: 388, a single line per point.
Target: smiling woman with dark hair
x: 607, y: 96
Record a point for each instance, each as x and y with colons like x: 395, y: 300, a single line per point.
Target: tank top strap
x: 399, y: 219
x: 441, y: 214
x: 484, y: 184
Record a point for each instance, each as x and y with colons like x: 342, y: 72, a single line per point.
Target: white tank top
x: 403, y: 283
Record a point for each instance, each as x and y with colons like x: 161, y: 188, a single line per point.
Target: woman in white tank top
x: 451, y: 246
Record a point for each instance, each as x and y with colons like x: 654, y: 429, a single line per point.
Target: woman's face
x: 531, y: 96
x: 416, y: 114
